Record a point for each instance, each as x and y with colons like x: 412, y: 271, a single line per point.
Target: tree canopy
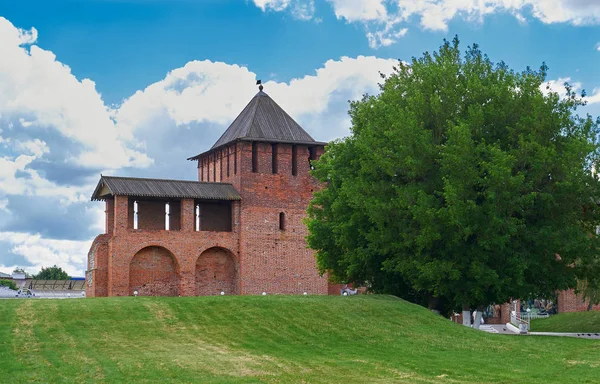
x: 462, y: 181
x: 52, y: 273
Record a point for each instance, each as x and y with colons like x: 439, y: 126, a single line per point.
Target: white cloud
x: 43, y: 252
x: 598, y: 47
x: 594, y: 98
x: 385, y: 37
x: 36, y: 90
x: 558, y: 86
x: 384, y: 20
x: 34, y: 184
x: 35, y: 147
x: 300, y: 9
x: 205, y: 91
x: 360, y: 10
x: 4, y: 205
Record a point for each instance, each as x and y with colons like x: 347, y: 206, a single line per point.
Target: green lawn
x: 272, y: 339
x: 569, y: 322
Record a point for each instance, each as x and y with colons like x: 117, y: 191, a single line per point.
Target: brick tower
x: 237, y: 230
x: 266, y: 156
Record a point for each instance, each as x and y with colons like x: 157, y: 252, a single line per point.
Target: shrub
x: 8, y: 283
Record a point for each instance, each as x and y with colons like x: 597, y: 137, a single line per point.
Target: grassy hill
x: 272, y: 339
x: 568, y: 322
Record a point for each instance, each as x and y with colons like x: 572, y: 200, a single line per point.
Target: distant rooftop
x: 161, y: 188
x: 263, y: 120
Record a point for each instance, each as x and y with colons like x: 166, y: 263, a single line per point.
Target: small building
x: 237, y: 230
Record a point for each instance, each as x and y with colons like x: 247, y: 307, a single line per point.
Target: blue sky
x: 134, y: 87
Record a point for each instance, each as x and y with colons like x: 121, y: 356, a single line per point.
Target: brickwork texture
x: 250, y: 246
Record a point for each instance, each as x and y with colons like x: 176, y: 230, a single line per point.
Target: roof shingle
x: 160, y: 188
x: 263, y: 120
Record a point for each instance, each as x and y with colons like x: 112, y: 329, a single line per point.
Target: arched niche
x: 216, y: 272
x: 153, y: 271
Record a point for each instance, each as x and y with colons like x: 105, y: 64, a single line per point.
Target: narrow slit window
x: 135, y: 215
x: 228, y: 162
x: 281, y: 221
x: 311, y: 156
x: 274, y: 157
x: 254, y: 157
x: 201, y: 170
x: 294, y: 160
x: 235, y: 159
x: 214, y: 162
x: 220, y: 166
x: 167, y: 216
x: 197, y: 210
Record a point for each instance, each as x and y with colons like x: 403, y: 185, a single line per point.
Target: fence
x: 518, y: 321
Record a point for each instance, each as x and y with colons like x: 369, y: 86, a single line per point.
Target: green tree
x: 461, y: 182
x: 8, y: 283
x: 52, y: 273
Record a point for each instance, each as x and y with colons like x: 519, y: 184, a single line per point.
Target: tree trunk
x: 590, y: 305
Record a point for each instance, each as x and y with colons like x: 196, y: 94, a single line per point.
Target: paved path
x: 501, y: 329
x: 496, y: 328
x: 582, y: 335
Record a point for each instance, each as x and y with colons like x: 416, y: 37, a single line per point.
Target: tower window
x: 274, y: 157
x: 167, y: 211
x: 254, y: 157
x: 228, y: 162
x: 221, y: 165
x: 214, y: 162
x: 281, y: 221
x: 294, y: 160
x: 312, y: 152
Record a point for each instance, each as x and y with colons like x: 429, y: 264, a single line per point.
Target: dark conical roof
x: 264, y: 120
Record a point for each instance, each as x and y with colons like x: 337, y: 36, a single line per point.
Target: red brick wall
x: 264, y: 257
x: 151, y: 214
x: 185, y: 246
x: 97, y: 271
x: 109, y: 215
x: 271, y: 260
x: 216, y: 272
x: 205, y: 165
x: 215, y: 216
x: 174, y: 215
x: 568, y: 301
x: 153, y: 272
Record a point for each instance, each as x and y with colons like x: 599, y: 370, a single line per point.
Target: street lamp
x: 135, y: 293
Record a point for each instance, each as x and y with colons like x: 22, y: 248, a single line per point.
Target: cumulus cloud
x: 385, y: 20
x: 37, y: 90
x: 215, y: 92
x: 558, y: 86
x: 37, y: 252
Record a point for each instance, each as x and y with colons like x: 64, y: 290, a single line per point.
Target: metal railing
x: 519, y: 322
x: 531, y: 316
